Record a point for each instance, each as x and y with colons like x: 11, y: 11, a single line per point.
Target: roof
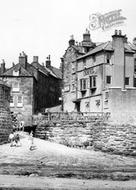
x: 31, y: 70
x: 40, y: 67
x: 102, y: 46
x: 57, y: 72
x: 108, y: 46
x: 17, y: 67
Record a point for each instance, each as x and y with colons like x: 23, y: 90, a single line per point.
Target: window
x: 15, y: 73
x: 11, y: 101
x: 108, y: 79
x: 106, y: 95
x: 94, y: 58
x: 83, y: 84
x: 92, y: 82
x: 108, y: 58
x: 97, y: 102
x: 126, y: 80
x: 19, y: 101
x: 73, y: 87
x: 84, y: 63
x: 15, y: 86
x: 73, y: 67
x: 134, y: 82
x: 135, y: 66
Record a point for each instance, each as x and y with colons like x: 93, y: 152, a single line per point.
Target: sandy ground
x: 17, y: 182
x: 39, y: 168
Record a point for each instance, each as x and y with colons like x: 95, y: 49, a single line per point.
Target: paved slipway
x: 55, y: 166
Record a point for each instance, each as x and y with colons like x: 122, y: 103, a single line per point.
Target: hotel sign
x: 89, y: 71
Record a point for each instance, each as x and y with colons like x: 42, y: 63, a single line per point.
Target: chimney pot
x: 3, y: 69
x: 120, y: 32
x: 116, y: 32
x: 72, y: 41
x: 48, y: 62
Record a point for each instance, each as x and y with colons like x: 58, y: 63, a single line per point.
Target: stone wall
x: 5, y: 118
x: 116, y: 139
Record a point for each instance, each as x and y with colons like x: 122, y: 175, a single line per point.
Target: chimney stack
x: 118, y: 43
x: 72, y: 41
x: 87, y: 36
x: 87, y: 42
x: 48, y: 62
x: 3, y: 69
x: 35, y: 59
x: 23, y: 60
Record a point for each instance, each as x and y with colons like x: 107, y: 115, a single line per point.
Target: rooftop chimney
x: 23, y: 59
x: 35, y: 59
x: 87, y: 36
x: 118, y: 43
x: 72, y: 41
x: 87, y: 42
x: 3, y: 69
x: 48, y: 62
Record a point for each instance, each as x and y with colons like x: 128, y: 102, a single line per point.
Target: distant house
x: 34, y: 87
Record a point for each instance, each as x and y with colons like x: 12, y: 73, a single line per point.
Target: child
x: 11, y: 139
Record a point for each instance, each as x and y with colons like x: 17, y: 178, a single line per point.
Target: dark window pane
x: 134, y: 82
x: 108, y: 79
x: 127, y: 81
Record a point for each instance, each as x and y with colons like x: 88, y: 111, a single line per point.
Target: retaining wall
x: 117, y: 139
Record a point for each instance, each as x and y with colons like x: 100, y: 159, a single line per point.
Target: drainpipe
x: 124, y: 71
x: 103, y: 80
x: 62, y: 87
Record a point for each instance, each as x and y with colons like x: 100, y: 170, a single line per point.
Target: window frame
x: 92, y: 80
x: 83, y: 84
x: 12, y: 104
x: 15, y: 88
x: 19, y: 103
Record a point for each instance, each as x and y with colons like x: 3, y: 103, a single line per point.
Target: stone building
x: 34, y: 87
x: 103, y: 79
x: 5, y: 118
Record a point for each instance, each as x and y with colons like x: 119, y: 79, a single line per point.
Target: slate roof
x: 107, y: 46
x: 17, y: 67
x: 31, y: 70
x: 57, y: 72
x: 40, y: 67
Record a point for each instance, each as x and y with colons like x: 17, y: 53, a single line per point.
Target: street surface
x: 54, y: 166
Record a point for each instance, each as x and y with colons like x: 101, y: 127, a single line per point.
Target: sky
x: 43, y: 27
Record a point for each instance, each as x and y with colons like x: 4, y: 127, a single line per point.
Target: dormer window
x: 15, y: 73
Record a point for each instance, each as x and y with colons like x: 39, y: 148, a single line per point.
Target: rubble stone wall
x: 5, y: 118
x: 116, y: 139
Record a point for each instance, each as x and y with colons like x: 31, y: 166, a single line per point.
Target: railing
x: 72, y: 116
